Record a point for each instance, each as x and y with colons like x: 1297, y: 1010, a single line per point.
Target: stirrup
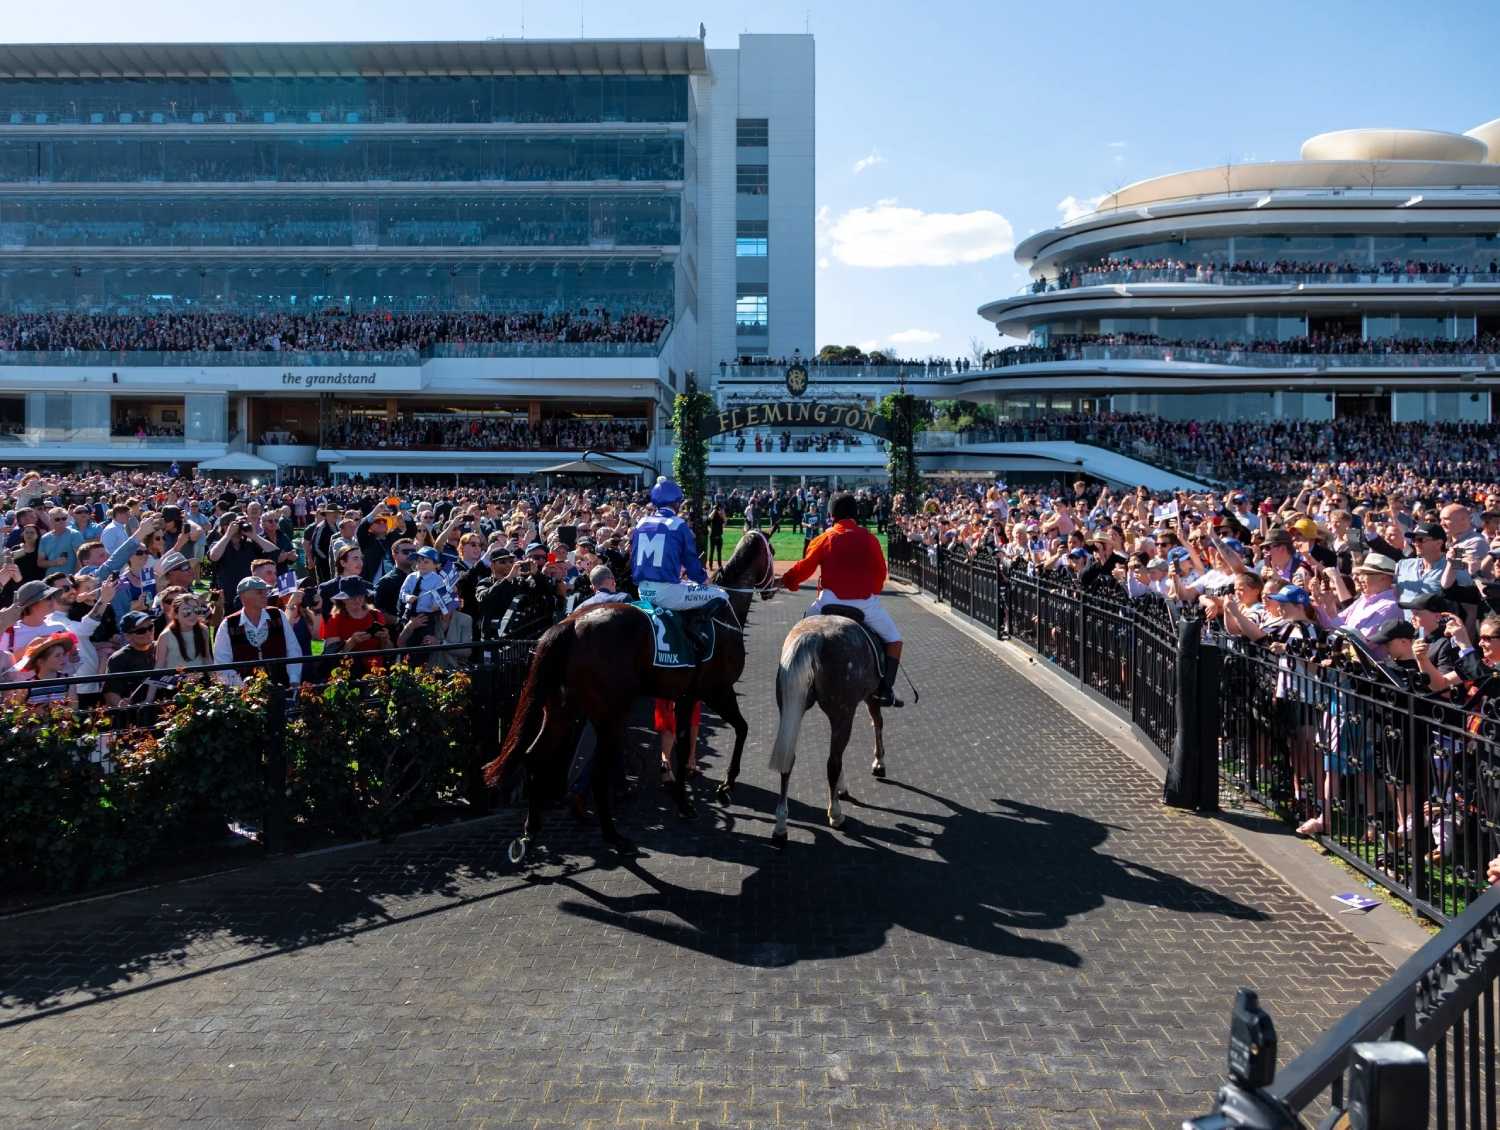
x: 886, y: 698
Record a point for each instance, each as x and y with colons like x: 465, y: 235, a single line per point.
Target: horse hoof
x: 725, y: 792
x: 518, y: 848
x: 778, y: 841
x: 835, y: 822
x: 686, y: 810
x: 845, y: 794
x: 877, y: 771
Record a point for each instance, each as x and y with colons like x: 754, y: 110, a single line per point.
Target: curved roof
x: 1489, y: 133
x: 1266, y: 176
x: 469, y: 57
x: 1394, y: 145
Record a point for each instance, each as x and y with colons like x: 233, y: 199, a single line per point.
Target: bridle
x: 766, y: 586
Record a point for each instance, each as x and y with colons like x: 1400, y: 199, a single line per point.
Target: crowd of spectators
x: 1113, y: 269
x: 1370, y: 455
x: 142, y: 428
x: 1410, y: 575
x: 125, y: 582
x: 851, y: 357
x: 771, y: 442
x: 262, y: 166
x: 487, y: 432
x: 329, y: 330
x: 495, y: 231
x: 1077, y: 347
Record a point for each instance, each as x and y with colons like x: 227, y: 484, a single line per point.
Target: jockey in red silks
x: 853, y: 573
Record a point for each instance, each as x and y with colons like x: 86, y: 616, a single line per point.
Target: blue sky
x: 947, y: 130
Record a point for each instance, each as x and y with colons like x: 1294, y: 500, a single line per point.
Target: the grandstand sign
x: 801, y: 414
x: 351, y: 379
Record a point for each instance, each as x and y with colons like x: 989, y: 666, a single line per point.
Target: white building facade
x: 1361, y: 280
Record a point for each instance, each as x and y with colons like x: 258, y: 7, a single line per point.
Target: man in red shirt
x: 853, y: 573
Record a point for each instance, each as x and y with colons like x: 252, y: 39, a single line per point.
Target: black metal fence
x: 1406, y: 783
x: 1123, y: 652
x: 1441, y: 1004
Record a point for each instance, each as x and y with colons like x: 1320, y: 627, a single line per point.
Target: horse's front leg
x: 727, y: 707
x: 877, y: 767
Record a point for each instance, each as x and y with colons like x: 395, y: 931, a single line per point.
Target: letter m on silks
x: 652, y: 547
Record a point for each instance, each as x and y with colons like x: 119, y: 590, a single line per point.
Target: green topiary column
x: 899, y: 410
x: 690, y: 464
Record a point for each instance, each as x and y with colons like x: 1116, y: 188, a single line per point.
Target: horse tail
x: 794, y: 686
x: 543, y: 681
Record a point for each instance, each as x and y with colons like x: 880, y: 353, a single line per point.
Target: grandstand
x: 388, y: 257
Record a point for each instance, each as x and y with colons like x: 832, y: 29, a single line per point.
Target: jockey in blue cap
x: 662, y: 552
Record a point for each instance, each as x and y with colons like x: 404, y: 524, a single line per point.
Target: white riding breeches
x: 876, y: 616
x: 680, y: 596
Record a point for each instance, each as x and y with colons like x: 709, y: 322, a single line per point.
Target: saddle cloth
x: 673, y: 646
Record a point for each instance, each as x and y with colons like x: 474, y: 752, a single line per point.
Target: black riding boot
x: 886, y: 695
x: 700, y: 630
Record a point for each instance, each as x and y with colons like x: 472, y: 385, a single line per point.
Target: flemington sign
x: 784, y: 413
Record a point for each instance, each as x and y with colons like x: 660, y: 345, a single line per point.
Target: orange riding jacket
x: 850, y: 557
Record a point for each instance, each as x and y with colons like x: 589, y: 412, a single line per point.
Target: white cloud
x: 1117, y: 145
x: 869, y: 346
x: 823, y: 263
x: 1072, y: 208
x: 868, y: 161
x: 891, y: 236
x: 913, y: 337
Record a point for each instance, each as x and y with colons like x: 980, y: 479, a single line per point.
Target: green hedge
x: 83, y: 802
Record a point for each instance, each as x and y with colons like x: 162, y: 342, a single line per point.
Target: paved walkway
x: 1010, y: 932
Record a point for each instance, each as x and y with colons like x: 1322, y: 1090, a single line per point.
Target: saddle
x: 684, y: 638
x: 849, y: 612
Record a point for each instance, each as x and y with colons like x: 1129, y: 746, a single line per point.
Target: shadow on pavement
x: 994, y: 881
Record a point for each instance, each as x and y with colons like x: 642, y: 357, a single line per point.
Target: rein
x: 767, y: 583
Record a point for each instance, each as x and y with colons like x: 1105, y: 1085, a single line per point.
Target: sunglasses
x: 140, y: 631
x: 191, y: 611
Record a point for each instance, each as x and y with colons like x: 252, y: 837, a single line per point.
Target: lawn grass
x: 787, y: 542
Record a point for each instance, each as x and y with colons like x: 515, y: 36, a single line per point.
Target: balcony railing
x: 205, y: 358
x: 1239, y: 358
x: 773, y: 373
x: 1216, y: 277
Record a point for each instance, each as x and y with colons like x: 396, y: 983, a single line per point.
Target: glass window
x: 752, y: 180
x: 243, y: 100
x: 750, y: 246
x: 752, y: 133
x: 342, y: 157
x: 750, y: 311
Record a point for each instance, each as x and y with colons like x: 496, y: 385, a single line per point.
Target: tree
x: 690, y: 464
x: 899, y: 410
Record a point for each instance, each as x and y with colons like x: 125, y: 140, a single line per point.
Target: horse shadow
x: 998, y: 881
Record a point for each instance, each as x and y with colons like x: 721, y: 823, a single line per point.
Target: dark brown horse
x: 596, y: 664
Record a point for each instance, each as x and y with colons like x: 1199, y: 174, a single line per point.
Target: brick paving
x: 1010, y: 932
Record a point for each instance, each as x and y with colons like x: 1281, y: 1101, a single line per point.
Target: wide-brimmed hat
x: 34, y: 592
x: 1377, y: 563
